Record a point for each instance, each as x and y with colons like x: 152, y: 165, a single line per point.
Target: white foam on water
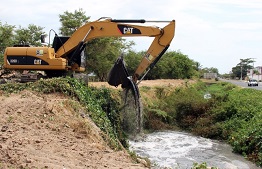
x: 165, y: 147
x: 180, y: 150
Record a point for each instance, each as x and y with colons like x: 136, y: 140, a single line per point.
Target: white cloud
x: 216, y: 33
x: 241, y: 26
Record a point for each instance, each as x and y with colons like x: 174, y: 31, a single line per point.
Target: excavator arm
x: 118, y: 75
x: 122, y: 28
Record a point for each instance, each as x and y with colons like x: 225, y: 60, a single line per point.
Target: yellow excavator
x: 66, y: 53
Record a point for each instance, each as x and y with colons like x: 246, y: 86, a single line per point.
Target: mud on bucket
x: 118, y: 74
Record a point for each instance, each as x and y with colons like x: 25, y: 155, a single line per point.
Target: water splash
x: 180, y: 150
x: 131, y: 116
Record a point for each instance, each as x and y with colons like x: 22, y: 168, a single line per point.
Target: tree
x: 210, y: 70
x: 183, y: 68
x: 30, y: 35
x: 213, y: 70
x: 101, y: 52
x: 173, y: 65
x: 242, y: 68
x: 133, y: 59
x: 6, y: 38
x: 197, y: 66
x: 72, y: 21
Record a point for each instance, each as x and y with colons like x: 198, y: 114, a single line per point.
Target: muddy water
x: 180, y: 150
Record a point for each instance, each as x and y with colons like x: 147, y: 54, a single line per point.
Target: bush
x: 155, y: 119
x: 205, y: 127
x: 186, y: 105
x: 247, y: 139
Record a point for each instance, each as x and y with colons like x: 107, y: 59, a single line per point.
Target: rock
x: 3, y: 81
x: 28, y: 161
x: 4, y: 128
x: 142, y: 161
x: 22, y: 166
x: 38, y: 141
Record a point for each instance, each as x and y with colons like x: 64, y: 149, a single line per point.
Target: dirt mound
x: 51, y: 131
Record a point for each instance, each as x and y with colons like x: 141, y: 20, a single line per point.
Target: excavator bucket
x: 132, y: 110
x: 118, y: 74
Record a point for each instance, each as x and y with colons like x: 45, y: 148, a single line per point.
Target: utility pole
x: 253, y: 67
x: 241, y: 66
x: 241, y: 73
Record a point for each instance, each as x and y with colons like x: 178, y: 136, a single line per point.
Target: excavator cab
x: 74, y: 56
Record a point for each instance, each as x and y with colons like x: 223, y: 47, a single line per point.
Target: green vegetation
x: 71, y: 21
x: 202, y: 166
x: 232, y: 114
x: 242, y: 68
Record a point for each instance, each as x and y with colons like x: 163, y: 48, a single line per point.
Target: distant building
x: 210, y: 75
x: 255, y: 73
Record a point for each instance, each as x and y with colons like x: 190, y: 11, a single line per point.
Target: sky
x: 215, y: 33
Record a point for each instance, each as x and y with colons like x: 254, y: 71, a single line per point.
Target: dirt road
x: 149, y: 83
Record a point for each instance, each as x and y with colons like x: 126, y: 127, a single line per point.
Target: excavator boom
x: 122, y: 28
